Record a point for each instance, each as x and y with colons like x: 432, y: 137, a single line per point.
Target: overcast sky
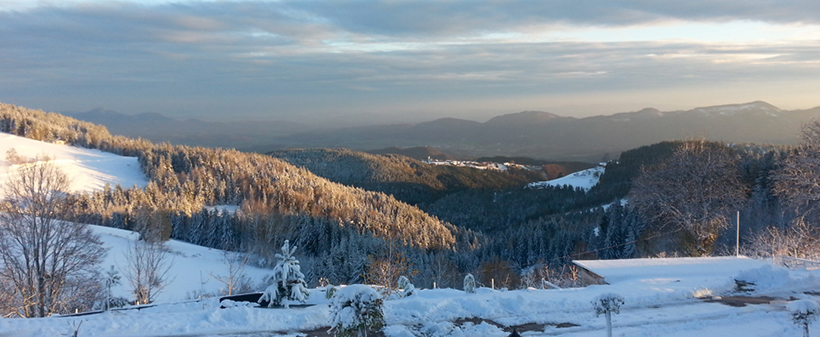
x: 325, y: 60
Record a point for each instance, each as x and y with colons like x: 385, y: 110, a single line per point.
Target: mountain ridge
x: 568, y: 138
x: 536, y: 134
x: 157, y: 127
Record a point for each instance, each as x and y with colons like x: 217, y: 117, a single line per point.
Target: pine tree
x: 288, y: 280
x: 469, y: 284
x: 355, y: 310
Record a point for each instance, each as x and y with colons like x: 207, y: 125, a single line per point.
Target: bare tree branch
x: 49, y: 263
x: 147, y: 270
x: 691, y: 194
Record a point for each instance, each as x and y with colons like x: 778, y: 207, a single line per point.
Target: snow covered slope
x: 87, y: 170
x: 193, y: 268
x: 584, y: 179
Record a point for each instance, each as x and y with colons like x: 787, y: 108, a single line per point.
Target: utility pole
x: 737, y: 243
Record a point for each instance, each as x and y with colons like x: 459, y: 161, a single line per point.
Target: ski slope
x: 87, y: 170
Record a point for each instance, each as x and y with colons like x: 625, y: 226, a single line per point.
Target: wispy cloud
x: 206, y: 57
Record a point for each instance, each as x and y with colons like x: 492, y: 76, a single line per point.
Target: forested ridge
x: 279, y: 201
x: 407, y: 179
x: 466, y: 220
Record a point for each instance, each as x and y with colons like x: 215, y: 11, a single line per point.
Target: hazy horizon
x: 404, y: 61
x: 365, y: 119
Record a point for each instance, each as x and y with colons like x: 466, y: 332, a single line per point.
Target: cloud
x: 310, y: 55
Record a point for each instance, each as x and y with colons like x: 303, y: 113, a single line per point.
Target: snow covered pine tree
x: 469, y: 284
x: 355, y: 310
x: 288, y: 280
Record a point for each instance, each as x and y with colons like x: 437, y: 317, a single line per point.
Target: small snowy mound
x: 765, y: 277
x: 585, y: 179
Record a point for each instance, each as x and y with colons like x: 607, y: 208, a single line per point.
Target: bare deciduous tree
x: 147, y: 270
x: 387, y: 268
x: 799, y: 240
x: 236, y: 281
x: 691, y: 194
x: 48, y: 263
x: 797, y: 180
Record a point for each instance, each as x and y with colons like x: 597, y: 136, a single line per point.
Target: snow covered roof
x: 616, y: 271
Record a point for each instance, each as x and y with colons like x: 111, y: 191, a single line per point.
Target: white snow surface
x: 87, y: 170
x: 662, y: 304
x: 732, y: 109
x: 193, y: 268
x: 585, y: 179
x: 803, y: 307
x: 673, y: 269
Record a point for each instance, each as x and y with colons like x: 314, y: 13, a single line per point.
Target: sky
x: 382, y: 61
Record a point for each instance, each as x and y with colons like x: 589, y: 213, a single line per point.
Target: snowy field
x: 669, y: 302
x: 194, y: 269
x: 585, y: 179
x: 88, y: 170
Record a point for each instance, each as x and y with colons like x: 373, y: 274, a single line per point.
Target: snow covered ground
x: 87, y: 170
x: 664, y: 304
x: 585, y: 179
x: 194, y: 269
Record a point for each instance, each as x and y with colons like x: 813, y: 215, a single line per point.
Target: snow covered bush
x: 288, y: 280
x: 405, y: 286
x: 355, y: 310
x: 330, y: 290
x: 607, y: 304
x: 469, y: 284
x: 803, y: 313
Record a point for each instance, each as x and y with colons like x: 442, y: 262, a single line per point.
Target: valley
x: 514, y: 224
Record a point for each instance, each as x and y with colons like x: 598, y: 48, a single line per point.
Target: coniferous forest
x: 348, y: 210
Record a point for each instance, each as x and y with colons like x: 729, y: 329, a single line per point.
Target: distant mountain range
x: 546, y: 135
x: 533, y: 134
x: 158, y: 128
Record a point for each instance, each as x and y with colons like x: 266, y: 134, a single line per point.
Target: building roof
x: 614, y: 271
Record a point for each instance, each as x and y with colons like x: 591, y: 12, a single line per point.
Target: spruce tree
x: 288, y: 280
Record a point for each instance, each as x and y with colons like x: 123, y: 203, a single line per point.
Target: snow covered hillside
x: 87, y: 170
x: 194, y: 269
x: 683, y: 302
x: 585, y: 179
